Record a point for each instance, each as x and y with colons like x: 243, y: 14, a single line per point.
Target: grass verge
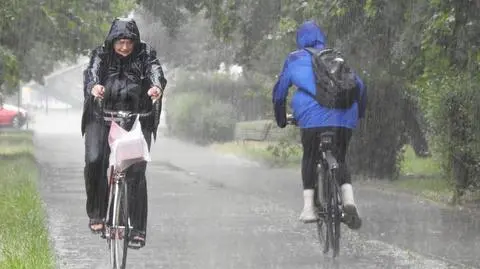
x: 266, y: 152
x: 23, y: 236
x: 423, y: 177
x: 420, y: 176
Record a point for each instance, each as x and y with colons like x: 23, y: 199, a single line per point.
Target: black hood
x: 122, y: 28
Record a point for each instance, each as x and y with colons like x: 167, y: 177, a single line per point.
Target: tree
x: 243, y: 22
x: 194, y: 46
x: 448, y: 87
x: 420, y: 60
x: 34, y: 35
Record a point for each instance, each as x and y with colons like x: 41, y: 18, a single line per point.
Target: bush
x: 451, y: 102
x: 248, y: 97
x: 181, y: 113
x: 375, y: 147
x: 198, y: 118
x: 218, y: 122
x: 287, y: 149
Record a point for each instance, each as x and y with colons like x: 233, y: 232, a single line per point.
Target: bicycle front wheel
x: 119, y: 229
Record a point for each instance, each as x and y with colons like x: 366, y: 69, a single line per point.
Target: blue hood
x: 309, y: 34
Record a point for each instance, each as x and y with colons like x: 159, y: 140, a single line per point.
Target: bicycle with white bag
x: 126, y: 149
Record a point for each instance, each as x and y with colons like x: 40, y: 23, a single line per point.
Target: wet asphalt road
x: 215, y: 211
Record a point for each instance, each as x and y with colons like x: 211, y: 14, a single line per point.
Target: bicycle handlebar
x: 110, y: 115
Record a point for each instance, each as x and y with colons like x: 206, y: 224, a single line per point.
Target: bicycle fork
x: 114, y: 184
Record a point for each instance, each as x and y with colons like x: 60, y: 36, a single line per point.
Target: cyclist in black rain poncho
x: 127, y: 75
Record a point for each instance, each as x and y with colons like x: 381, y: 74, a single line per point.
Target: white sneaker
x: 352, y: 218
x: 309, y: 213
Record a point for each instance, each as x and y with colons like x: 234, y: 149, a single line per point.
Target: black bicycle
x: 327, y: 199
x: 117, y: 223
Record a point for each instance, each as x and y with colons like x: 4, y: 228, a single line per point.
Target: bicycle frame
x: 118, y: 224
x: 333, y: 214
x: 115, y: 183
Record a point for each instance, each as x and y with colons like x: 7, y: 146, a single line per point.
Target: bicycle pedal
x: 135, y: 247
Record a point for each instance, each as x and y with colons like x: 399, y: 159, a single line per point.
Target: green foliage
x: 419, y: 59
x: 451, y: 102
x: 203, y: 106
x: 198, y: 118
x: 236, y: 22
x: 194, y: 46
x: 359, y: 29
x: 218, y: 121
x: 8, y: 70
x: 37, y: 34
x: 447, y: 89
x: 286, y: 148
x: 247, y: 96
x: 24, y: 219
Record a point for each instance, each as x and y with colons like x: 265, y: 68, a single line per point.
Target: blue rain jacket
x: 297, y: 71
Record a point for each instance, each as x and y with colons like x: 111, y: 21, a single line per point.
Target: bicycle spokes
x: 330, y: 214
x: 117, y: 229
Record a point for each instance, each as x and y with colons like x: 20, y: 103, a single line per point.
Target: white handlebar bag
x: 127, y: 147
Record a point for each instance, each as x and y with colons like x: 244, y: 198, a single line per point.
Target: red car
x: 12, y: 116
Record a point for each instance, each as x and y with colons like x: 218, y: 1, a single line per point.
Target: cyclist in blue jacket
x: 312, y: 118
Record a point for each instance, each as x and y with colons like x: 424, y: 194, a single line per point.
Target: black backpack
x: 336, y: 87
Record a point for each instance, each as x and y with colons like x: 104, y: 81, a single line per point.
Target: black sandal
x: 94, y: 222
x: 136, y: 239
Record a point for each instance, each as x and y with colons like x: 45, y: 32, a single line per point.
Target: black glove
x: 280, y: 115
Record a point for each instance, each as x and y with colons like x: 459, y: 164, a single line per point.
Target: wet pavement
x: 208, y: 210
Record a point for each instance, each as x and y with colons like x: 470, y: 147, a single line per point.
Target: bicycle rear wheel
x: 319, y: 199
x: 336, y: 214
x: 119, y: 229
x: 329, y: 211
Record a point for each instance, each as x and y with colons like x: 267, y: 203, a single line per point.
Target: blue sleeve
x: 279, y: 95
x: 362, y: 102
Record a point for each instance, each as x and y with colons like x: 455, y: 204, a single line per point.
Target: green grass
x: 253, y: 150
x: 423, y: 176
x: 24, y: 240
x: 433, y: 188
x: 415, y: 166
x: 258, y: 151
x: 14, y: 144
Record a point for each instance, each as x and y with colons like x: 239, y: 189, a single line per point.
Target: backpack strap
x: 311, y: 51
x: 314, y: 51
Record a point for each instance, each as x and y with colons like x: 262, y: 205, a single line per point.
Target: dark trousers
x: 97, y: 152
x: 311, y: 142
